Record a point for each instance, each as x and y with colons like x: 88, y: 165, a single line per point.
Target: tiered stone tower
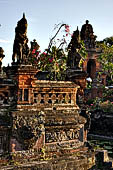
x: 74, y: 72
x: 91, y: 66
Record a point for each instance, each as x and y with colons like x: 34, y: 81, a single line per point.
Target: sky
x: 42, y: 15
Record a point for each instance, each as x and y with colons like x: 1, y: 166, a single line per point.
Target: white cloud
x: 4, y: 41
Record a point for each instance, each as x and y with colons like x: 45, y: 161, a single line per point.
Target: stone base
x: 81, y: 159
x: 78, y: 77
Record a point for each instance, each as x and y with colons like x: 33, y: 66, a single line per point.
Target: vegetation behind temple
x: 106, y: 58
x: 55, y: 58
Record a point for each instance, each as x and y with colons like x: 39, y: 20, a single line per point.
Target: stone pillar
x: 79, y: 78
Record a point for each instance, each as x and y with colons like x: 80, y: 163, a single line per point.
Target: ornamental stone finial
x: 23, y: 15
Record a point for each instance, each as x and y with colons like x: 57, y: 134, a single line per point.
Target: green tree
x: 106, y: 56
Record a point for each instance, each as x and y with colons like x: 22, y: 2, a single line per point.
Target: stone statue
x: 34, y: 45
x: 73, y: 55
x: 87, y: 35
x: 1, y: 56
x: 20, y: 47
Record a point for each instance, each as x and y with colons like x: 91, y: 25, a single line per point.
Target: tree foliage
x: 106, y: 56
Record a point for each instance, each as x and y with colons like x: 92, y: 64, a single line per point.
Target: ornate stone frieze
x: 28, y: 129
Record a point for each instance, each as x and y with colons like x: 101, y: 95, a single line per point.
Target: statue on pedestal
x: 87, y: 35
x: 20, y: 47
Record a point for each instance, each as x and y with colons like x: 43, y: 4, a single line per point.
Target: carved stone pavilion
x: 91, y: 64
x: 36, y: 114
x: 90, y: 67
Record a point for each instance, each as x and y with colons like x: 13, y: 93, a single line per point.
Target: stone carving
x: 46, y: 98
x: 87, y: 35
x: 61, y: 135
x: 73, y: 55
x: 60, y: 98
x: 67, y: 98
x: 1, y: 56
x: 52, y: 98
x: 34, y: 45
x: 39, y: 98
x: 28, y: 129
x: 20, y: 47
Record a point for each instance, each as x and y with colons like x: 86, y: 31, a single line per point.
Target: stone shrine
x: 41, y: 114
x: 74, y: 72
x: 91, y: 65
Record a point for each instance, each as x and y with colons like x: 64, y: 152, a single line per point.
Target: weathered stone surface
x: 82, y: 160
x: 28, y: 129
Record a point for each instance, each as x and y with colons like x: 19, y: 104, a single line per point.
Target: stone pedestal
x: 79, y: 78
x: 60, y: 125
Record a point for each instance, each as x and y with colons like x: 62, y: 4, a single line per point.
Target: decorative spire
x: 87, y: 21
x: 23, y: 15
x: 20, y: 47
x: 76, y: 33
